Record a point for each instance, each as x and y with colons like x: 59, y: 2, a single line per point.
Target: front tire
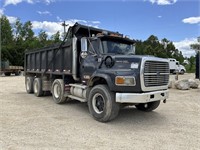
x: 37, y: 87
x: 148, y: 106
x: 102, y: 105
x: 58, y: 91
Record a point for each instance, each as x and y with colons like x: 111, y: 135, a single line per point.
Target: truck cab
x: 176, y: 67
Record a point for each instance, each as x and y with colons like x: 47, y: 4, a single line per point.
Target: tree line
x: 18, y: 37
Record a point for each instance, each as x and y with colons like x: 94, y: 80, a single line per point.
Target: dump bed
x: 53, y: 60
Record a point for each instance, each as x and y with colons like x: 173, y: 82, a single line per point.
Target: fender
x: 106, y: 77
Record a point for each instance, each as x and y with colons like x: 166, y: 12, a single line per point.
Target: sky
x: 176, y: 20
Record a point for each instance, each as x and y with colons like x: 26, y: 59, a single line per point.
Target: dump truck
x: 98, y: 67
x: 8, y: 69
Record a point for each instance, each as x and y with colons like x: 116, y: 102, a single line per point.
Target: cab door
x: 89, y: 63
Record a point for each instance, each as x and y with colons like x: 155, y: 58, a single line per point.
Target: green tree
x: 196, y: 46
x: 55, y: 38
x: 24, y: 39
x: 42, y: 37
x: 191, y: 65
x: 163, y: 48
x: 6, y: 39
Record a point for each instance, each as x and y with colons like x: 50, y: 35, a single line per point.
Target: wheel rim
x: 56, y: 91
x: 98, y: 103
x: 145, y: 105
x: 28, y: 84
x: 36, y: 87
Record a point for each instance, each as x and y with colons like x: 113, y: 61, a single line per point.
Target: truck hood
x: 129, y: 61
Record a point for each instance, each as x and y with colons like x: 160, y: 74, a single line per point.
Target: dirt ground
x: 28, y: 122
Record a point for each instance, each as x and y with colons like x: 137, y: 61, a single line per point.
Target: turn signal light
x: 119, y: 80
x: 125, y: 81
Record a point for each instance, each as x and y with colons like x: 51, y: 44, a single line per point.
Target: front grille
x: 156, y: 73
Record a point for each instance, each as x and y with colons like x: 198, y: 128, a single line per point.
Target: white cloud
x: 184, y: 46
x: 1, y: 11
x: 48, y: 1
x: 52, y: 27
x: 163, y: 2
x: 15, y: 2
x: 12, y: 19
x: 159, y: 16
x: 58, y: 18
x: 191, y: 20
x: 44, y: 13
x: 95, y: 22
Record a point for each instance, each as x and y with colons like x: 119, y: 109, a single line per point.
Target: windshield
x: 118, y: 47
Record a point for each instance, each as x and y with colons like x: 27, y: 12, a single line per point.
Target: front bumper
x: 142, y: 97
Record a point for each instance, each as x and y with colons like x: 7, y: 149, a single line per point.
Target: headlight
x: 125, y: 81
x: 134, y: 65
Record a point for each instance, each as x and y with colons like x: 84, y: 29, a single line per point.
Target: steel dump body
x: 54, y: 60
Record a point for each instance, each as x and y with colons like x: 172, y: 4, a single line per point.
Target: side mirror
x: 84, y: 44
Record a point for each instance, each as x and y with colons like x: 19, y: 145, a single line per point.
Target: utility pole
x: 64, y: 25
x: 198, y: 59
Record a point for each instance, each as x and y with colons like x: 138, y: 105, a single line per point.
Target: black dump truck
x: 98, y: 67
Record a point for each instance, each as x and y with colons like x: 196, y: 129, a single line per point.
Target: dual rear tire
x: 34, y: 85
x: 37, y: 87
x: 57, y: 90
x: 29, y: 84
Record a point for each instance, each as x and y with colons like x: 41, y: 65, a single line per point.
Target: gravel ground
x: 28, y: 122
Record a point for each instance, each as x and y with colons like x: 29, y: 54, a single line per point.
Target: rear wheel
x: 148, y: 106
x: 101, y: 103
x: 58, y: 91
x: 18, y: 73
x: 37, y: 87
x: 29, y: 84
x: 182, y: 71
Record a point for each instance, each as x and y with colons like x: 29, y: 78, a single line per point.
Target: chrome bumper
x: 142, y: 97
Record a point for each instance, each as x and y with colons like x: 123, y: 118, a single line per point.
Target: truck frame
x: 98, y: 67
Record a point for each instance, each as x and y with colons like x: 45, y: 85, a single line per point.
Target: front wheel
x: 101, y: 103
x: 148, y: 106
